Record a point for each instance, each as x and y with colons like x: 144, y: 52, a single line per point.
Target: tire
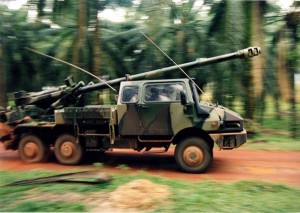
x: 67, y: 150
x: 193, y: 155
x: 32, y: 149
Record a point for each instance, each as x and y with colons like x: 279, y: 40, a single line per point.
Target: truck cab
x: 157, y: 113
x: 166, y: 109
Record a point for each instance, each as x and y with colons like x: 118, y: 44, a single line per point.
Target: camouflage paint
x: 70, y: 115
x: 169, y: 118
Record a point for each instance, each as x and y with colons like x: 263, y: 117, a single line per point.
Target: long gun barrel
x: 38, y: 104
x: 244, y: 53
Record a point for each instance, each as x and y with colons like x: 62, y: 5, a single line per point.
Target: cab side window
x: 164, y: 92
x: 130, y: 94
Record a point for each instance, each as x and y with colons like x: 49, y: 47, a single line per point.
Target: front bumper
x: 229, y: 140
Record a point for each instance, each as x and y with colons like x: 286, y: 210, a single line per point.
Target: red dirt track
x: 228, y: 166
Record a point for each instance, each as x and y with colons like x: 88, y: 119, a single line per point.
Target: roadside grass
x: 282, y: 125
x: 271, y: 142
x: 271, y: 119
x: 272, y: 133
x: 204, y: 196
x: 280, y: 121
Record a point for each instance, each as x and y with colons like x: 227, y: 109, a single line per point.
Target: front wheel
x: 193, y: 155
x: 67, y: 150
x: 32, y: 149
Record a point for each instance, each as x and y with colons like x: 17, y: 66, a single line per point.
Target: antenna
x: 177, y: 66
x: 72, y: 65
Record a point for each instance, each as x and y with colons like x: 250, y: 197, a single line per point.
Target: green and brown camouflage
x: 40, y: 105
x: 35, y: 106
x: 148, y: 114
x: 49, y: 99
x: 169, y: 117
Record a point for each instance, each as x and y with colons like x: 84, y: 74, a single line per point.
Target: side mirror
x: 183, y: 97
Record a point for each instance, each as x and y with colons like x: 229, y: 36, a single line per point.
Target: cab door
x: 155, y: 111
x: 127, y: 108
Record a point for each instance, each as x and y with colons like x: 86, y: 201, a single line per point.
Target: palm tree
x: 79, y: 38
x: 256, y: 23
x: 236, y: 24
x: 17, y: 66
x: 227, y: 31
x: 286, y: 42
x: 3, y: 98
x: 177, y: 30
x: 292, y: 23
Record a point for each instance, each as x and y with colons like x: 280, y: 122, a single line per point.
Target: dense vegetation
x: 79, y: 33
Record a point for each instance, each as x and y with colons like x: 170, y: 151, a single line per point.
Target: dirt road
x: 228, y: 166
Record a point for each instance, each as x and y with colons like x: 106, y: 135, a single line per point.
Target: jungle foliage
x: 77, y: 32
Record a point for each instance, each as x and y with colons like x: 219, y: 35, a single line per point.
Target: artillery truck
x: 148, y: 113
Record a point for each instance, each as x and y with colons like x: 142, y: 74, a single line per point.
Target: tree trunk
x: 80, y: 37
x: 3, y: 96
x: 282, y: 72
x: 250, y: 98
x: 292, y: 62
x: 96, y: 50
x: 257, y: 37
x: 258, y: 63
x: 294, y: 117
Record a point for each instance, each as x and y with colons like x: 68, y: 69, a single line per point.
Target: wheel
x: 193, y: 155
x: 32, y: 149
x: 67, y: 150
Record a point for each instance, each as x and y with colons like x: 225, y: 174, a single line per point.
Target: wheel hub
x: 193, y: 155
x: 30, y: 149
x: 67, y: 149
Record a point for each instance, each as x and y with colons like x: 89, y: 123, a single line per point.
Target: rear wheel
x: 32, y: 149
x: 193, y: 155
x: 67, y: 150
